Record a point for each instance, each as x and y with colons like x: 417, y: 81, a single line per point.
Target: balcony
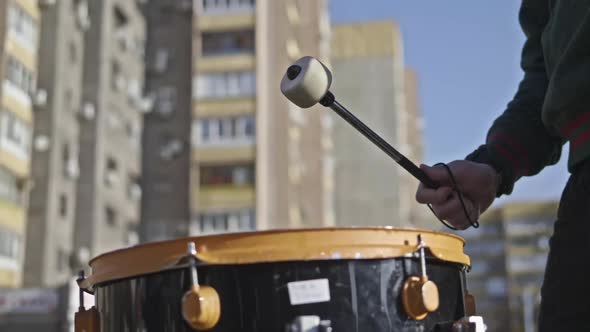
x: 22, y: 52
x: 224, y: 107
x: 224, y: 154
x: 16, y: 100
x: 218, y: 23
x: 231, y: 7
x: 14, y: 160
x: 224, y: 63
x: 31, y: 8
x: 12, y: 217
x: 221, y: 15
x: 10, y: 277
x: 224, y: 197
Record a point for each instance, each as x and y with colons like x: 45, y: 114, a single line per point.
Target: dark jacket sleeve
x: 518, y: 144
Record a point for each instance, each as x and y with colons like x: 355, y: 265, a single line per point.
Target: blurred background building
x: 508, y: 254
x: 19, y: 35
x: 258, y: 161
x: 88, y: 119
x: 371, y: 80
x: 55, y: 169
x: 166, y: 156
x: 108, y: 196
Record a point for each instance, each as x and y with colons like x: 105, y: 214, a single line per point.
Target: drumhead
x: 275, y: 246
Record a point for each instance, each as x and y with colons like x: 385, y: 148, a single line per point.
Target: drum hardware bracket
x: 309, y: 324
x: 85, y: 320
x: 419, y: 294
x: 201, y: 307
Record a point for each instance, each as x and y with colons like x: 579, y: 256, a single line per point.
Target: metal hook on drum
x: 201, y: 307
x: 420, y: 295
x: 85, y: 320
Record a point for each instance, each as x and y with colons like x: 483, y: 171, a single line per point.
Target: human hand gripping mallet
x: 307, y: 82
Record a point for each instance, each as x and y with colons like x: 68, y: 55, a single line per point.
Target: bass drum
x: 357, y: 279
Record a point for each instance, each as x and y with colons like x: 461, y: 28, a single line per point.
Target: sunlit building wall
x: 371, y: 80
x: 258, y: 161
x: 55, y: 168
x: 19, y: 36
x: 108, y: 193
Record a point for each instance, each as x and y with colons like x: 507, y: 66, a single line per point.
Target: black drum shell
x: 365, y: 295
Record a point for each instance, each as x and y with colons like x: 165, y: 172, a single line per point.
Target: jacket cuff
x: 483, y: 155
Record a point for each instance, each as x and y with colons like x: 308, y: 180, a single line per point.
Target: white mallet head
x: 306, y: 82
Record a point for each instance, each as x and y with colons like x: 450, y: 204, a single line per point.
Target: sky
x: 466, y: 55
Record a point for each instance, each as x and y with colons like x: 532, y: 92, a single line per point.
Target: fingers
x: 438, y: 174
x: 433, y: 196
x: 452, y: 211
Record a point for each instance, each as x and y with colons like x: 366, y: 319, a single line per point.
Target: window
x: 19, y: 75
x: 62, y: 260
x: 496, y: 287
x: 120, y: 18
x: 236, y: 175
x: 111, y: 171
x: 10, y: 188
x: 65, y: 153
x: 10, y: 244
x: 63, y: 206
x: 15, y: 134
x: 22, y: 26
x: 131, y: 237
x: 227, y: 6
x: 219, y: 222
x: 225, y: 85
x: 528, y: 263
x: 68, y: 99
x: 228, y: 42
x: 133, y: 188
x: 73, y: 52
x: 118, y: 81
x: 166, y: 101
x: 234, y: 130
x: 110, y: 216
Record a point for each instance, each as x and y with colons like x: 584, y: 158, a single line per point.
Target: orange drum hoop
x: 275, y: 246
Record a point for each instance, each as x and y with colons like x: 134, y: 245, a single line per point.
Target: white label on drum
x: 309, y: 291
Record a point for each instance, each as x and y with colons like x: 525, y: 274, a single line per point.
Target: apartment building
x: 258, y: 162
x: 108, y: 193
x: 371, y: 80
x: 19, y: 36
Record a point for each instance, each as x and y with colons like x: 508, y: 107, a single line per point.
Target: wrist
x: 501, y: 180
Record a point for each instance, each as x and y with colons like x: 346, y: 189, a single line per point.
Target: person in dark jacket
x: 550, y: 108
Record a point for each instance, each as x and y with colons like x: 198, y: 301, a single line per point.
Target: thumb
x: 438, y: 174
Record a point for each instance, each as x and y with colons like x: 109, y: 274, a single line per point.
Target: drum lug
x: 201, y: 307
x: 419, y: 294
x: 86, y: 320
x: 309, y: 324
x: 470, y: 307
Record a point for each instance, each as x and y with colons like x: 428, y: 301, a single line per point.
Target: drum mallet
x: 307, y: 82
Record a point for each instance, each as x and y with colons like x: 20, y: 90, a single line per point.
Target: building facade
x: 508, y: 254
x: 257, y: 161
x: 108, y: 193
x: 166, y: 156
x: 528, y: 229
x: 370, y: 79
x: 487, y: 280
x: 55, y: 169
x: 19, y: 36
